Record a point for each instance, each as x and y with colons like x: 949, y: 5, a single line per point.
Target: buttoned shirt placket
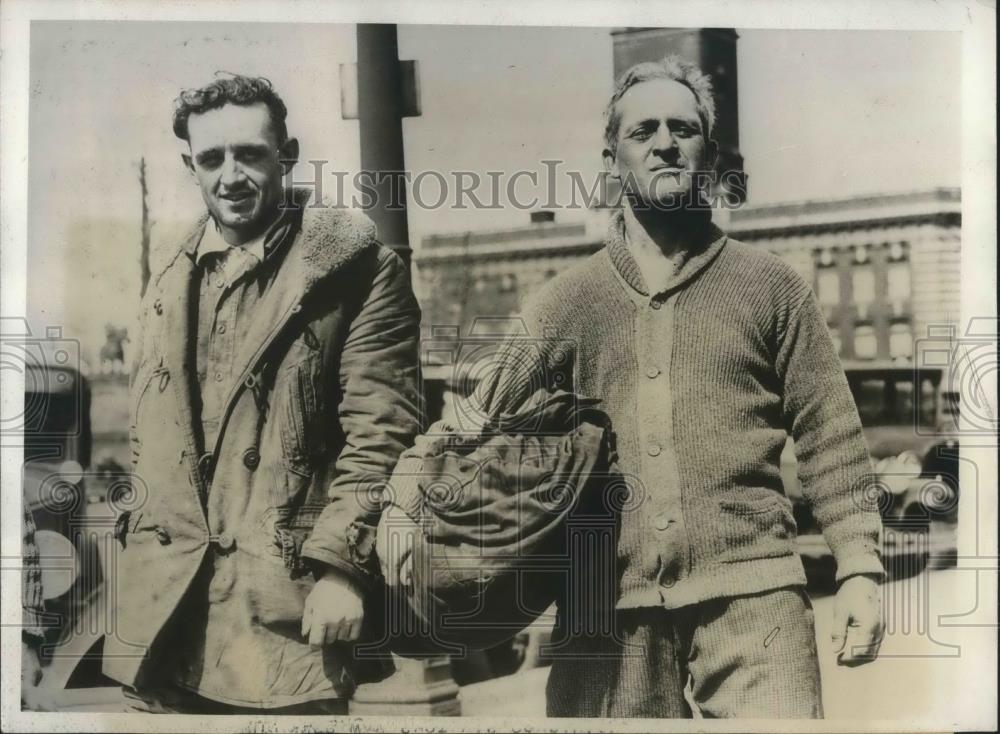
x: 218, y: 328
x: 221, y: 303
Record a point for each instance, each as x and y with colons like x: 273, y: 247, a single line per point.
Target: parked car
x: 909, y: 417
x: 61, y: 497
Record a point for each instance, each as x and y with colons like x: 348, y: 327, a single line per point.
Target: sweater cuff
x: 858, y: 558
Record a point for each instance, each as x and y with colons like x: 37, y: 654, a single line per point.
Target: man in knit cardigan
x: 706, y: 353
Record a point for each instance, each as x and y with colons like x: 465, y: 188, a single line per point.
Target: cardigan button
x: 656, y: 305
x: 662, y: 521
x: 653, y: 450
x: 652, y: 372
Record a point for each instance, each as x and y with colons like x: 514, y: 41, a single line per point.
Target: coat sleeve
x: 379, y: 414
x: 834, y: 465
x: 137, y: 355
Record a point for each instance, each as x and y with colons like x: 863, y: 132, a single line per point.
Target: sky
x: 822, y: 114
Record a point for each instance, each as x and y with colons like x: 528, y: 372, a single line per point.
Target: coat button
x: 652, y: 372
x: 654, y: 449
x: 225, y: 541
x: 656, y: 305
x: 163, y: 536
x: 158, y: 307
x: 251, y: 458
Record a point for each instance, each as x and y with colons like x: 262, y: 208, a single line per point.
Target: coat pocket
x: 147, y: 418
x: 284, y: 530
x: 275, y: 599
x: 299, y: 410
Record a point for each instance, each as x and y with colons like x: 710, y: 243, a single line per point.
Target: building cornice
x: 941, y: 207
x: 769, y: 231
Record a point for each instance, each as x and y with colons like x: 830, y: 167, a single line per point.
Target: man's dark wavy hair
x: 235, y: 89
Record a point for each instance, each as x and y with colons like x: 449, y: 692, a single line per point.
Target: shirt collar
x: 280, y: 231
x: 212, y: 242
x: 694, y: 261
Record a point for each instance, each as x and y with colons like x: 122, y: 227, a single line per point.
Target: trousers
x: 171, y: 699
x: 738, y: 657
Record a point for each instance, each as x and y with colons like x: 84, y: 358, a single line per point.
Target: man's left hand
x: 333, y: 611
x: 858, y: 626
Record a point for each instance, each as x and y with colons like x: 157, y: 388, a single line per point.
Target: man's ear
x: 288, y: 154
x: 188, y: 164
x: 711, y: 153
x: 611, y: 164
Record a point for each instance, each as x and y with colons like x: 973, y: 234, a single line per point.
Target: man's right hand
x: 334, y: 610
x: 394, y: 545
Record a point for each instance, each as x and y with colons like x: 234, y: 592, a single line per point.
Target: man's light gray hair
x: 671, y: 67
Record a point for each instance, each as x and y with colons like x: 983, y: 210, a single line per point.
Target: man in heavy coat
x: 274, y: 386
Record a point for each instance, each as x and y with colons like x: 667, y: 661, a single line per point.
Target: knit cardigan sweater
x: 703, y: 381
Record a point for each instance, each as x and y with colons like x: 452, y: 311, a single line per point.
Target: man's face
x: 235, y: 158
x: 661, y: 144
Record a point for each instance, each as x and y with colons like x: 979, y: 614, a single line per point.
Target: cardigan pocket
x: 754, y: 528
x: 751, y: 506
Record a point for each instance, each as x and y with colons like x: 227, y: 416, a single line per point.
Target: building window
x: 900, y: 341
x: 828, y: 287
x: 899, y: 281
x: 869, y: 396
x: 863, y: 287
x: 897, y: 251
x: 928, y: 402
x: 861, y: 254
x: 865, y: 342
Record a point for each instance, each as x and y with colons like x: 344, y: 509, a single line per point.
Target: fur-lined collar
x: 330, y: 237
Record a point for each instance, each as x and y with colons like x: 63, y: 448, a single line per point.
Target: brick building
x: 884, y: 267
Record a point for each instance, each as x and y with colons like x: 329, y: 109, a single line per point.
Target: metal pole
x: 380, y: 113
